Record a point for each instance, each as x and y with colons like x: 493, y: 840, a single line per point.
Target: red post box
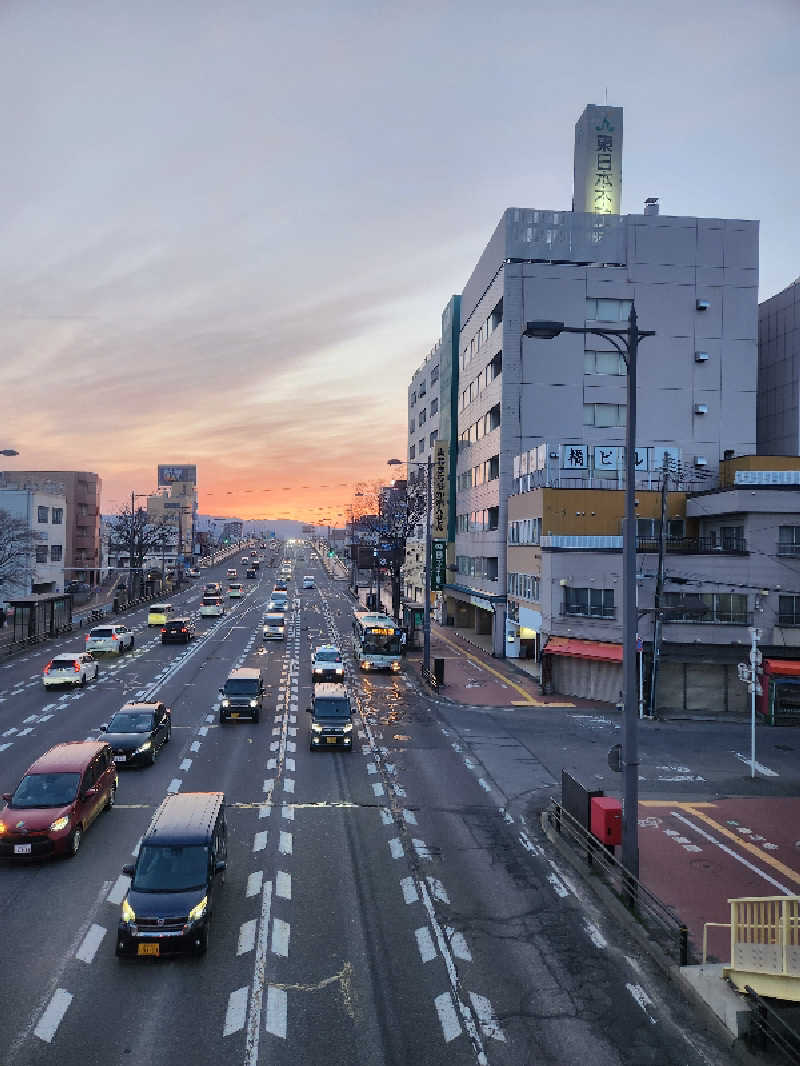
x: 606, y: 819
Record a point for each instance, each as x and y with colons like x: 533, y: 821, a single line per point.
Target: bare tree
x: 134, y: 534
x: 16, y: 552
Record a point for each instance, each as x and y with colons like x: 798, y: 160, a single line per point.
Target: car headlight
x: 316, y: 727
x: 3, y: 828
x: 253, y: 703
x: 128, y: 913
x: 226, y: 703
x: 145, y: 747
x: 348, y: 728
x: 197, y: 912
x: 60, y: 823
x: 339, y: 669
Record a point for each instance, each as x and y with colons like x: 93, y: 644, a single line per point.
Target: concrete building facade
x: 42, y: 506
x: 778, y: 427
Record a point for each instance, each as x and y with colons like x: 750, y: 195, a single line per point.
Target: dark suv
x: 242, y: 695
x: 175, y: 880
x: 177, y: 630
x: 331, y: 721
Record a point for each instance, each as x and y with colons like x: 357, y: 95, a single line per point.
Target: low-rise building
x: 42, y: 506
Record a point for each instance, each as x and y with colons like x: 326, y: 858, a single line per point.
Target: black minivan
x: 176, y: 878
x: 331, y: 718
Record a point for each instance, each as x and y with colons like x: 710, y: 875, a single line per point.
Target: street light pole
x: 426, y: 622
x: 626, y: 342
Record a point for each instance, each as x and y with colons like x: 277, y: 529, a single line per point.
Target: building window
x: 789, y: 540
x: 602, y: 310
x: 412, y: 425
x: 604, y: 415
x: 434, y: 406
x: 434, y: 437
x: 496, y: 316
x: 434, y: 375
x: 493, y: 418
x: 43, y: 514
x: 493, y: 468
x: 492, y: 518
x: 604, y: 363
x: 412, y: 399
x: 57, y: 516
x: 56, y: 553
x: 589, y: 603
x: 83, y: 510
x: 422, y: 389
x: 524, y: 586
x: 788, y: 609
x: 41, y: 553
x: 423, y: 417
x: 412, y: 451
x: 720, y: 608
x: 495, y: 368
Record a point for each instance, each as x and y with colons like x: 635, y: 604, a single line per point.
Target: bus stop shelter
x: 36, y: 617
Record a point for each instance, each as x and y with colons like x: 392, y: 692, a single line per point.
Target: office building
x: 778, y: 427
x: 42, y: 506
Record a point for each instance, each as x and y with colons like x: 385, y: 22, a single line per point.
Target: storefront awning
x: 584, y: 649
x: 782, y: 667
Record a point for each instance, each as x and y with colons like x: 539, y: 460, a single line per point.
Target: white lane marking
x: 135, y: 851
x: 276, y: 1011
x: 371, y: 768
x: 290, y: 765
x: 185, y: 764
x: 203, y: 731
x: 528, y: 844
x: 437, y: 890
x: 763, y: 770
x: 422, y: 849
x: 236, y: 1012
x: 410, y: 817
x: 729, y: 851
x: 260, y: 840
x: 117, y: 893
x: 274, y: 745
x: 425, y: 944
x: 469, y: 763
x: 398, y: 791
x: 210, y: 717
x: 51, y: 1019
x: 451, y: 1027
x: 280, y: 937
x: 91, y: 942
x: 595, y: 935
x: 285, y: 843
x: 458, y: 944
x: 287, y: 811
x: 559, y: 887
x: 254, y: 882
x: 4, y: 747
x: 292, y: 731
x: 484, y: 785
x: 377, y: 788
x: 194, y: 746
x: 396, y: 848
x: 288, y: 784
x: 247, y: 938
x: 291, y: 746
x: 487, y: 1018
x: 410, y: 890
x: 386, y: 816
x: 24, y: 732
x: 174, y: 785
x: 264, y: 810
x: 271, y: 764
x: 642, y: 998
x: 283, y: 885
x: 269, y: 784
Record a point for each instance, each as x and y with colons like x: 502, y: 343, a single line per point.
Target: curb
x: 671, y: 970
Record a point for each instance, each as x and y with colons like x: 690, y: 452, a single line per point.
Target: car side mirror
x: 309, y: 711
x: 90, y: 793
x: 220, y: 867
x: 128, y: 869
x: 104, y: 727
x: 7, y: 797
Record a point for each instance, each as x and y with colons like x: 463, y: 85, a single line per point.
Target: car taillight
x: 77, y: 666
x: 87, y: 636
x: 184, y: 629
x: 47, y: 668
x: 114, y: 636
x: 164, y: 629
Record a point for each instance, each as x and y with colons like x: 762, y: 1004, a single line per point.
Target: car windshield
x: 275, y: 618
x: 331, y: 708
x: 128, y: 722
x: 101, y: 632
x: 157, y: 608
x: 46, y: 790
x: 328, y: 657
x: 241, y: 687
x: 210, y: 601
x: 169, y: 868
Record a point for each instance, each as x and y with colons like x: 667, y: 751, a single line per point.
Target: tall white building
x: 43, y: 508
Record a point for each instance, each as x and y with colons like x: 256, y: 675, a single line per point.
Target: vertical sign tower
x: 598, y: 161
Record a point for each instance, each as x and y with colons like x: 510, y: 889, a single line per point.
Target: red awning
x: 782, y: 667
x: 584, y: 649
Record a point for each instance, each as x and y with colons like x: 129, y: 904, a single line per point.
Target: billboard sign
x: 598, y: 161
x: 172, y: 475
x: 440, y: 489
x: 438, y: 565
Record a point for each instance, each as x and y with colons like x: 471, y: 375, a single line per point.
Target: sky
x: 228, y: 231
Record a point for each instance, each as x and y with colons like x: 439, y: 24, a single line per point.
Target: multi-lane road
x: 379, y: 906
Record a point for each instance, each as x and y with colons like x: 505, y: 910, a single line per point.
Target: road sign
x: 438, y: 565
x: 744, y: 671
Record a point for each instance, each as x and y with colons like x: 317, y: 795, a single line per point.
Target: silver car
x: 70, y: 668
x: 115, y: 638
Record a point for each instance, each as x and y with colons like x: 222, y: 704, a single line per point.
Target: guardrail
x: 768, y: 1028
x: 660, y: 920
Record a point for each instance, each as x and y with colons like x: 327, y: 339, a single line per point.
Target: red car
x: 57, y: 800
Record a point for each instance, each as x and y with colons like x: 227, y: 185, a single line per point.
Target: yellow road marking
x: 746, y: 845
x: 527, y: 701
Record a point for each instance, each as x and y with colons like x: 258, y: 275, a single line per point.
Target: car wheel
x: 112, y: 796
x: 222, y: 718
x: 96, y: 672
x: 168, y: 737
x: 152, y: 757
x: 133, y: 641
x: 75, y: 841
x: 83, y: 680
x: 121, y: 648
x: 202, y: 947
x: 257, y: 716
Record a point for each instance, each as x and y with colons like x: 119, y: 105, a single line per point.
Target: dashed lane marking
x: 254, y: 881
x: 236, y: 1012
x: 276, y: 1011
x: 283, y: 885
x: 425, y: 944
x: 53, y: 1015
x: 285, y: 843
x: 247, y: 939
x: 90, y: 943
x: 451, y: 1027
x: 280, y: 937
x: 118, y: 890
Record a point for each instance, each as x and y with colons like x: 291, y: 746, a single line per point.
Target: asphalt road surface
x: 389, y: 905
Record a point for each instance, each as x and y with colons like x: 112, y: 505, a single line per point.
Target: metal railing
x: 694, y: 545
x: 768, y: 1028
x: 661, y: 922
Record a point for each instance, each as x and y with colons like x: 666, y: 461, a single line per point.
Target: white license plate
x: 22, y: 849
x: 120, y: 758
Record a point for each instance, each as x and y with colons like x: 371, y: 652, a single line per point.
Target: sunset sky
x: 227, y: 231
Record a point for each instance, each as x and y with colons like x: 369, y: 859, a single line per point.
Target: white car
x: 274, y: 624
x: 327, y: 664
x: 212, y: 607
x: 279, y: 597
x: 308, y: 582
x: 235, y: 590
x: 115, y: 638
x: 70, y: 668
x: 232, y: 572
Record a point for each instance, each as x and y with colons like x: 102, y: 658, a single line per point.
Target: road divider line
x: 174, y: 786
x: 51, y: 1019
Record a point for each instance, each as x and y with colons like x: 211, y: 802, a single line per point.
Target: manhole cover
x: 701, y: 864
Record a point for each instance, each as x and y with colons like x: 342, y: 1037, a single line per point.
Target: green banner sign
x: 438, y: 565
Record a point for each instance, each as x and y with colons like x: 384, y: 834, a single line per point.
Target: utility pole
x: 131, y: 544
x: 657, y: 620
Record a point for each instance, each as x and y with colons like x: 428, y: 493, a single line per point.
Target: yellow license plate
x: 331, y: 740
x: 234, y: 714
x: 148, y: 949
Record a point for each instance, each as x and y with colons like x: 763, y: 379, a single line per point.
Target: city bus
x: 376, y: 641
